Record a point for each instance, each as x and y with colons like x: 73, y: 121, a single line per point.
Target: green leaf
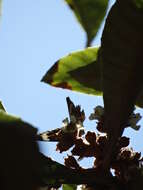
x: 1, y: 106
x: 79, y: 71
x: 122, y: 67
x: 69, y: 187
x: 122, y: 81
x: 138, y: 3
x: 19, y: 160
x: 16, y: 123
x: 7, y: 118
x: 90, y: 14
x: 121, y: 57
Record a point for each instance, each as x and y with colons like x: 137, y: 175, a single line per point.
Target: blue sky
x: 33, y: 35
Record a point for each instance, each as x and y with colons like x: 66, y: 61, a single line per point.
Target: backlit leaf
x: 90, y: 14
x: 79, y: 71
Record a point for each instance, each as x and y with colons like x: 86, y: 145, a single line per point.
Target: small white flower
x: 45, y: 136
x: 79, y: 125
x: 80, y: 128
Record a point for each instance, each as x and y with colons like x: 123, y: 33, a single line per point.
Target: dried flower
x: 98, y: 113
x: 133, y: 120
x: 71, y: 162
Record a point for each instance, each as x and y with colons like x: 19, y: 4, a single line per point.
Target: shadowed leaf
x: 7, y: 118
x: 19, y: 160
x: 90, y: 14
x: 69, y: 187
x: 139, y: 101
x: 138, y: 3
x: 121, y: 54
x: 17, y: 124
x: 89, y: 76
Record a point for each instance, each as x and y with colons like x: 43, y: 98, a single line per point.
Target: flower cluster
x: 125, y: 162
x: 98, y: 115
x: 67, y: 135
